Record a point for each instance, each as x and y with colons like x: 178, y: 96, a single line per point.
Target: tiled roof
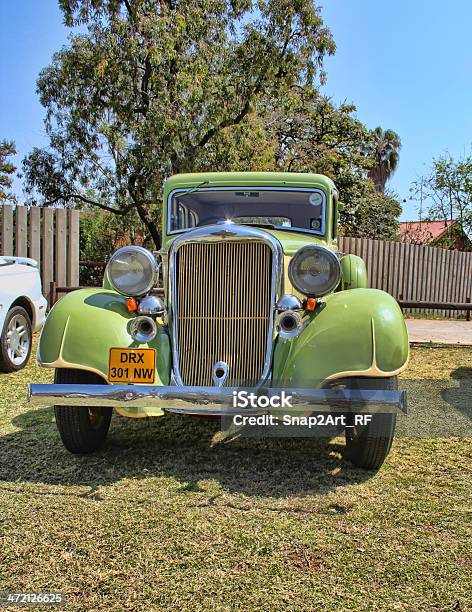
x: 423, y: 231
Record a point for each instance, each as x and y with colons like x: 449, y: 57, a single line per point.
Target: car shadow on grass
x: 460, y: 397
x: 438, y: 408
x: 180, y: 447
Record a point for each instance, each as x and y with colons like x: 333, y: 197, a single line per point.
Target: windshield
x: 284, y: 208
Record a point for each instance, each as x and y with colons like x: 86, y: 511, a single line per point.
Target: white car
x: 22, y: 310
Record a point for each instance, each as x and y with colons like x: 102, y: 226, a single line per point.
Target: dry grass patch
x: 161, y: 519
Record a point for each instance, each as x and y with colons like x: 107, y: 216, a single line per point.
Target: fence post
x: 60, y: 259
x: 7, y: 230
x: 47, y: 248
x: 21, y: 231
x: 73, y: 259
x: 34, y: 225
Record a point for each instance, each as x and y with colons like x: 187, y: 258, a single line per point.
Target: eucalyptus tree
x: 148, y: 88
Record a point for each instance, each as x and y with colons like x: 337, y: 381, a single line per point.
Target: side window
x: 182, y: 217
x: 187, y: 218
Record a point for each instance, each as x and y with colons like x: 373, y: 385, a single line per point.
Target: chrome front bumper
x: 213, y: 400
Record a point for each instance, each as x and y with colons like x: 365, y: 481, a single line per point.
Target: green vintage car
x: 256, y: 296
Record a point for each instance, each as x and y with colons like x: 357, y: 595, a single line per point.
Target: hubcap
x: 18, y: 339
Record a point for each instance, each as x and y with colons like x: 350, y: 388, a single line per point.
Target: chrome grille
x: 223, y: 310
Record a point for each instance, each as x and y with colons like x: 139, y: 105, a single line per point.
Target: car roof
x: 294, y: 179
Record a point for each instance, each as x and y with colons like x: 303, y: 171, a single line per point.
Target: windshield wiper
x: 257, y: 224
x: 191, y: 190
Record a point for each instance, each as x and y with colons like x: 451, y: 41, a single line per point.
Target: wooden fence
x: 48, y: 235
x: 409, y: 272
x: 413, y: 272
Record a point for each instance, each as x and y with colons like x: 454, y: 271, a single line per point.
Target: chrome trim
x: 137, y: 331
x: 151, y: 305
x: 214, y: 400
x: 220, y: 380
x: 150, y: 257
x: 158, y: 257
x: 320, y: 232
x: 289, y: 302
x: 294, y: 331
x: 234, y: 233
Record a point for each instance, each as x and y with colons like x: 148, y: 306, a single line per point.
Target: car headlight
x: 132, y: 271
x: 314, y: 270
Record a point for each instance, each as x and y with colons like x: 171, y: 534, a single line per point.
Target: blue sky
x: 405, y: 64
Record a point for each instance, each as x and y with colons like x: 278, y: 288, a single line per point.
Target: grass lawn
x: 164, y: 518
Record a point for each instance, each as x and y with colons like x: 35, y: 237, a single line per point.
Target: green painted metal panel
x: 83, y: 326
x: 354, y: 272
x: 356, y: 331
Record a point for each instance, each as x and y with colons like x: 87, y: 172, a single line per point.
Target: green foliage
x: 368, y: 213
x: 101, y: 233
x: 314, y: 135
x: 7, y: 149
x: 453, y: 239
x: 151, y: 87
x: 447, y: 189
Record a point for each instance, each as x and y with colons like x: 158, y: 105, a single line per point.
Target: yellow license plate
x: 129, y: 365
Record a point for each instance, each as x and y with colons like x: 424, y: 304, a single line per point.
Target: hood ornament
x: 219, y: 373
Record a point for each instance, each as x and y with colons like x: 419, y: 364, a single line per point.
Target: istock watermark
x: 435, y: 408
x: 289, y: 420
x: 278, y: 414
x: 246, y: 399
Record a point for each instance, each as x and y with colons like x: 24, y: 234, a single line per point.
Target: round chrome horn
x: 143, y: 329
x: 289, y: 323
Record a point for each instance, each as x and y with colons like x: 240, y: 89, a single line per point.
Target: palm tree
x: 384, y: 150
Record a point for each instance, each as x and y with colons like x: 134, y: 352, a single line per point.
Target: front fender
x: 353, y: 272
x: 83, y: 326
x: 359, y: 332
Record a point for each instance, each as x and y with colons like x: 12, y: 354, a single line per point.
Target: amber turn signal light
x: 131, y: 304
x: 310, y: 304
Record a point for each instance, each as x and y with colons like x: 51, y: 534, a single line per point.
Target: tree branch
x: 247, y: 105
x: 85, y: 200
x: 239, y: 117
x: 129, y: 9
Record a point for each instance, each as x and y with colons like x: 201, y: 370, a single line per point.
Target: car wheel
x: 368, y: 446
x: 83, y: 429
x: 15, y: 343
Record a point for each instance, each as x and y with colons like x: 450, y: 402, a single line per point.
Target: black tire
x: 368, y: 446
x: 14, y: 359
x: 83, y: 429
